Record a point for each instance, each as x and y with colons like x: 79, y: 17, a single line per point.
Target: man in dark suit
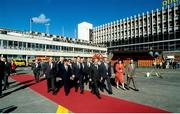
x: 2, y: 72
x: 66, y: 71
x: 36, y: 67
x: 95, y: 78
x: 105, y: 72
x: 77, y: 74
x: 6, y: 73
x: 50, y: 74
x: 70, y: 62
x: 87, y: 70
x: 83, y: 69
x: 60, y: 65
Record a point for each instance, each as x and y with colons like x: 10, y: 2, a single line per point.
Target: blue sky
x: 15, y: 14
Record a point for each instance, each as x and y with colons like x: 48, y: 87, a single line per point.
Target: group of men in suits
x: 75, y: 73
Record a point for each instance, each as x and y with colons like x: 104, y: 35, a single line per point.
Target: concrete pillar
x: 46, y: 47
x: 73, y: 49
x: 26, y: 60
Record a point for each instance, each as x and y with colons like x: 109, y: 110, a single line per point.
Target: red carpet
x: 87, y: 102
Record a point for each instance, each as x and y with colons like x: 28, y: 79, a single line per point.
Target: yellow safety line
x: 62, y: 109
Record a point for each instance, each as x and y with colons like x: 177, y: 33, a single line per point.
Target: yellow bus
x: 20, y: 62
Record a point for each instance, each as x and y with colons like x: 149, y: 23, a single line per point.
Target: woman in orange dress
x: 120, y: 74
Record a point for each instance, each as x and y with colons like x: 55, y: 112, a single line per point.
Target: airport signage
x: 169, y: 2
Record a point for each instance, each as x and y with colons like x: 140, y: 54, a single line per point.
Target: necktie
x: 78, y: 65
x: 97, y: 67
x: 106, y: 66
x: 83, y: 65
x: 51, y: 65
x: 66, y: 67
x: 88, y: 64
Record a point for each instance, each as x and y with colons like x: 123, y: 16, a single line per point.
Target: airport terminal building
x: 133, y: 37
x: 22, y: 45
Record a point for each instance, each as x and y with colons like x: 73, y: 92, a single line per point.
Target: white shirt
x: 83, y: 65
x: 89, y: 64
x: 96, y: 66
x: 66, y: 67
x: 79, y: 66
x: 36, y: 65
x: 51, y: 65
x: 106, y: 65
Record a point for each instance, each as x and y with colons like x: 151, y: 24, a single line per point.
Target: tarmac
x: 163, y: 93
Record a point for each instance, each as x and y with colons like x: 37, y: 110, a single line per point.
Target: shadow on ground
x: 8, y: 109
x: 22, y: 85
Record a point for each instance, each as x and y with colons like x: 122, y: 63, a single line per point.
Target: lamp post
x: 154, y: 54
x: 47, y: 28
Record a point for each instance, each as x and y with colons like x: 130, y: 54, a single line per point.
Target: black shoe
x: 102, y: 89
x: 92, y: 92
x: 2, y: 95
x: 54, y: 92
x: 37, y: 81
x: 136, y: 89
x: 99, y: 97
x: 66, y: 94
x: 82, y: 92
x: 110, y: 93
x: 76, y: 89
x: 49, y: 90
x: 4, y: 89
x: 160, y: 77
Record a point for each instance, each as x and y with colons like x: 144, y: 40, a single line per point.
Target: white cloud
x: 41, y: 19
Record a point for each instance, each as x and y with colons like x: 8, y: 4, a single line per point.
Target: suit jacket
x: 7, y: 68
x: 83, y: 68
x: 60, y: 66
x: 50, y: 72
x: 36, y: 68
x: 87, y: 69
x: 66, y: 73
x: 78, y: 72
x: 95, y: 75
x: 130, y: 69
x: 2, y: 69
x: 104, y: 72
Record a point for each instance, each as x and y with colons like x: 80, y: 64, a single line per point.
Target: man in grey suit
x: 131, y: 69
